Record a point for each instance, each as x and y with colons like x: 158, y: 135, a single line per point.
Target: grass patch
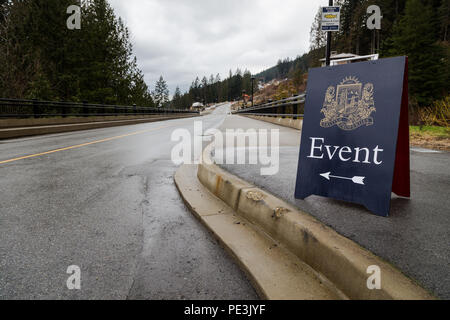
x: 431, y: 137
x: 434, y: 131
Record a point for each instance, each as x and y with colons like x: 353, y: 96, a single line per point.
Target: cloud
x: 183, y: 39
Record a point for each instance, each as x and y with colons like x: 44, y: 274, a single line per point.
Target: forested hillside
x: 41, y: 58
x: 416, y: 28
x: 214, y: 89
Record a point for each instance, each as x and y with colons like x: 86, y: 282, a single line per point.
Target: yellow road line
x: 80, y: 145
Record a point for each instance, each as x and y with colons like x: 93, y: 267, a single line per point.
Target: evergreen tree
x: 161, y: 93
x: 318, y: 38
x: 413, y: 36
x: 444, y: 19
x: 177, y: 99
x: 204, y: 90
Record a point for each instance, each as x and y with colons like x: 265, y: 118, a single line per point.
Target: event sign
x: 355, y: 137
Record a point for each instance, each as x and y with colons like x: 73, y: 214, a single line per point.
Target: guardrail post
x: 85, y: 109
x: 135, y: 109
x: 63, y: 111
x: 296, y: 107
x: 35, y: 108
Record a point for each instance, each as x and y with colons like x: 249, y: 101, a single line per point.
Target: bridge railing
x: 292, y: 107
x: 16, y: 108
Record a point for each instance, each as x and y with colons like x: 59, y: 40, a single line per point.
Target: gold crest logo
x: 348, y: 106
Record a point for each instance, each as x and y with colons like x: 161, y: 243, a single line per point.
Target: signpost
x: 331, y: 17
x: 355, y: 138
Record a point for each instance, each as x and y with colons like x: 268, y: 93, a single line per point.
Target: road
x: 105, y: 200
x: 415, y: 237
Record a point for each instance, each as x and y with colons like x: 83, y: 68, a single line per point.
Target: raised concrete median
x: 414, y: 238
x: 412, y: 242
x: 265, y: 235
x: 274, y: 272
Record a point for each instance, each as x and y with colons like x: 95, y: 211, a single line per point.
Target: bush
x: 436, y: 115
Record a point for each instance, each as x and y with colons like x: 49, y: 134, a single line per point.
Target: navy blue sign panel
x: 355, y: 134
x: 330, y: 28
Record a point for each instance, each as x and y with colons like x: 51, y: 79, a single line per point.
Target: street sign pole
x: 328, y: 56
x: 253, y: 80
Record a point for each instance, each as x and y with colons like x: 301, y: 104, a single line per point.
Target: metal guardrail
x: 289, y: 107
x: 15, y: 108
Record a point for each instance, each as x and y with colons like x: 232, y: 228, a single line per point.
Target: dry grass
x: 432, y: 137
x: 284, y: 89
x: 433, y: 130
x: 436, y: 115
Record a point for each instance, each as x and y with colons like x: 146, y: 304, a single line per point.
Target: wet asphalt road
x: 112, y: 209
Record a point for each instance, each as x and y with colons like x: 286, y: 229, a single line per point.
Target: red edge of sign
x: 402, y: 181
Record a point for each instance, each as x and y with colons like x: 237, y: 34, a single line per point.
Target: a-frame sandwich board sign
x: 355, y: 136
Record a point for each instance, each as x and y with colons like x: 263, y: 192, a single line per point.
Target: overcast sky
x: 182, y: 39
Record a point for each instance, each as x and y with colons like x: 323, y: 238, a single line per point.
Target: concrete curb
x: 339, y: 259
x: 10, y: 133
x: 285, y: 122
x: 276, y: 274
x: 36, y: 122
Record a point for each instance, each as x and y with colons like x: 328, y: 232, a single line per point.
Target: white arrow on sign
x: 356, y: 179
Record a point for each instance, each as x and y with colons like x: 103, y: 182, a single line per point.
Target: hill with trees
x: 213, y: 89
x: 416, y: 28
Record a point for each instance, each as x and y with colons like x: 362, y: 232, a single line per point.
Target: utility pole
x: 328, y: 55
x: 253, y: 80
